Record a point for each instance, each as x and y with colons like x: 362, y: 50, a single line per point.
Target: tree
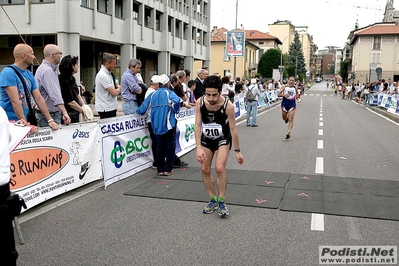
x: 270, y: 60
x: 296, y: 57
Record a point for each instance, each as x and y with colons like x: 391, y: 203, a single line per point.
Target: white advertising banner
x: 125, y: 147
x: 185, y: 139
x: 49, y: 163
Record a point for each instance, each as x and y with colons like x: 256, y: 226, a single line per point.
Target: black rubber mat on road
x: 246, y: 188
x: 378, y: 199
x: 342, y: 196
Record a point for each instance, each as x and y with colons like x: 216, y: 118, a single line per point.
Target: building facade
x: 375, y: 47
x: 164, y: 34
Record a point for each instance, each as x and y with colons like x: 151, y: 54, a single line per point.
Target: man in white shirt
x: 106, y: 88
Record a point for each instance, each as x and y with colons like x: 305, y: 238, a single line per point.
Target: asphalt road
x: 93, y: 226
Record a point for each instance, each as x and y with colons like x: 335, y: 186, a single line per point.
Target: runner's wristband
x: 51, y: 120
x: 237, y: 150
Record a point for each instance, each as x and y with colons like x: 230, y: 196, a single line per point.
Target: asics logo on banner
x: 80, y: 134
x: 119, y: 152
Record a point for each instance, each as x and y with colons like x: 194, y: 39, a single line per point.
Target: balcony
x: 252, y: 66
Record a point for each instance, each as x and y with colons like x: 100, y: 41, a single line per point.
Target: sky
x: 329, y: 21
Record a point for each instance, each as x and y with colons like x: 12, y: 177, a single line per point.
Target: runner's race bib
x: 212, y: 131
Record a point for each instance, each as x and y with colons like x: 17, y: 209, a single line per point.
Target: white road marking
x: 320, y: 124
x: 317, y: 223
x: 320, y: 132
x: 320, y: 145
x: 319, y: 169
x: 320, y: 118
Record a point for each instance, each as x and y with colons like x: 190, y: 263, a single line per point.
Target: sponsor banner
x: 185, y: 139
x: 17, y: 133
x: 125, y: 147
x: 373, y: 100
x: 50, y: 163
x: 393, y: 104
x: 387, y: 101
x: 236, y: 107
x: 235, y: 43
x: 364, y: 255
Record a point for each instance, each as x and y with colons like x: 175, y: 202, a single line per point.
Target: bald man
x: 12, y: 93
x: 46, y: 77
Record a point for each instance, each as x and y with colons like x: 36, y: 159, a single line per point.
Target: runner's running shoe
x: 212, y: 205
x: 223, y: 211
x: 288, y: 135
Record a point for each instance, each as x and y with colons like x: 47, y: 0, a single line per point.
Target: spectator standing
x: 164, y: 105
x: 13, y: 98
x: 154, y: 86
x: 106, y: 88
x: 173, y: 84
x: 8, y: 253
x: 199, y: 88
x: 70, y: 92
x: 191, y: 88
x: 252, y: 107
x: 238, y: 86
x: 46, y: 77
x: 130, y: 86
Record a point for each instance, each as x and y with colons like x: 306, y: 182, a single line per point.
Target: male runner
x: 215, y: 129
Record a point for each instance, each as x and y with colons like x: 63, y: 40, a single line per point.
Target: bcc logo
x: 119, y: 152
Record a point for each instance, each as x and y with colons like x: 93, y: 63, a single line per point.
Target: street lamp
x: 281, y: 67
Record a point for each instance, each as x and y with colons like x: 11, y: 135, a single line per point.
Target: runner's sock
x: 221, y: 199
x: 214, y: 198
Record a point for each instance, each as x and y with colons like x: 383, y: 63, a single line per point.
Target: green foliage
x: 270, y: 60
x: 296, y: 57
x: 344, y: 70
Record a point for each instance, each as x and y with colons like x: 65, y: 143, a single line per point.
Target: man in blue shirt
x: 164, y: 105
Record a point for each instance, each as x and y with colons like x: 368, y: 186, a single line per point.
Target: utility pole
x: 235, y: 58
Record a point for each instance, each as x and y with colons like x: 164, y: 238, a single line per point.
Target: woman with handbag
x: 70, y: 92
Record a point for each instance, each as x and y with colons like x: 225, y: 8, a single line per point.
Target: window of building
x: 158, y: 16
x: 177, y: 29
x: 377, y: 43
x: 198, y: 36
x: 136, y: 8
x: 119, y: 8
x: 261, y: 52
x: 170, y: 19
x: 12, y: 2
x: 85, y: 3
x: 185, y: 31
x: 43, y: 1
x: 205, y: 38
x: 147, y: 17
x: 102, y: 6
x: 260, y: 42
x: 375, y: 58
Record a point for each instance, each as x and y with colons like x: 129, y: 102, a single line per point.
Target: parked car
x: 318, y: 79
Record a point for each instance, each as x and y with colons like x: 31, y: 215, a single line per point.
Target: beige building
x: 285, y: 31
x: 374, y: 48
